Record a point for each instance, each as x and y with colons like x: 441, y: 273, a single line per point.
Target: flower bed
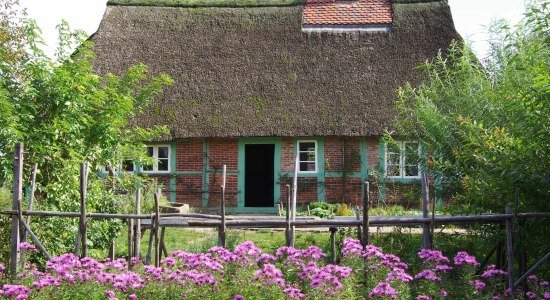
x: 247, y: 273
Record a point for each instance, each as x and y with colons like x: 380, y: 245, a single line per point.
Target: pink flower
x: 427, y: 274
x: 530, y: 295
x: 382, y: 290
x: 463, y: 258
x: 423, y: 297
x: 28, y: 246
x: 478, y: 284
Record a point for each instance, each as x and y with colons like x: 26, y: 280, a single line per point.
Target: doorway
x: 259, y: 175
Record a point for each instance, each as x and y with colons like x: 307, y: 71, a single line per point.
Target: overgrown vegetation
x: 66, y: 114
x: 487, y: 127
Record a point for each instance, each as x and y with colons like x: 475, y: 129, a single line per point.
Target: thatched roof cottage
x: 257, y: 82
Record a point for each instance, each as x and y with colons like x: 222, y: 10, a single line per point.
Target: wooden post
x: 294, y: 198
x: 36, y: 241
x: 287, y: 227
x: 150, y: 245
x: 426, y: 240
x: 162, y: 242
x: 156, y: 228
x: 510, y: 251
x: 31, y: 198
x: 112, y: 252
x: 366, y: 204
x: 532, y: 269
x: 333, y: 244
x: 82, y: 224
x: 498, y: 257
x: 16, y: 206
x: 137, y: 239
x: 358, y: 218
x: 221, y: 231
x: 130, y: 240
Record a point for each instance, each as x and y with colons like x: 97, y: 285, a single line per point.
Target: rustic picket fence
x: 157, y: 222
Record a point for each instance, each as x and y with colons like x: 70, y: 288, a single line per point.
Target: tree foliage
x: 65, y: 114
x: 488, y: 127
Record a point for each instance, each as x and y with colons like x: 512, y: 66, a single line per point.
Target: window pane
x: 411, y: 170
x: 393, y: 159
x: 163, y: 164
x: 150, y: 151
x: 306, y: 147
x: 307, y: 156
x: 128, y: 165
x: 411, y: 153
x: 392, y: 170
x: 393, y: 148
x: 307, y: 167
x: 163, y: 152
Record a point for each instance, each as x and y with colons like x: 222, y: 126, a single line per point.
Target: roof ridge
x: 208, y: 3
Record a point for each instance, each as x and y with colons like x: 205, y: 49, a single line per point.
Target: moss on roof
x: 208, y: 3
x: 253, y: 72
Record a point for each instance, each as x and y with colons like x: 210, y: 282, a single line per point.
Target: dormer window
x: 347, y: 15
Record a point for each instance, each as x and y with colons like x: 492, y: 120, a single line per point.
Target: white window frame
x: 155, y: 160
x: 402, y: 159
x: 300, y: 161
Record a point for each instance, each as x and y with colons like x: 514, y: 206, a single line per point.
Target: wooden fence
x: 157, y: 222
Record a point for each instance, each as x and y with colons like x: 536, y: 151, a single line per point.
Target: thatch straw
x: 253, y: 72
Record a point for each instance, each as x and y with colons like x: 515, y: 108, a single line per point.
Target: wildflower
x: 28, y: 246
x: 532, y: 278
x: 382, y: 290
x: 443, y: 268
x: 238, y: 297
x: 432, y: 256
x: 463, y: 258
x: 399, y: 274
x: 427, y: 274
x: 2, y: 268
x: 270, y: 275
x: 132, y: 297
x: 493, y: 271
x: 544, y: 283
x: 547, y: 295
x: 478, y: 284
x: 423, y: 297
x: 351, y: 247
x: 443, y: 293
x: 266, y: 258
x: 530, y: 295
x: 293, y: 293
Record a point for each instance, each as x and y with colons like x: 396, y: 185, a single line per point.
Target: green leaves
x: 66, y: 114
x: 488, y: 125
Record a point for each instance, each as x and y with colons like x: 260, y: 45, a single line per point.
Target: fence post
x: 156, y: 228
x: 510, y: 250
x: 130, y: 240
x: 16, y: 205
x: 426, y: 238
x: 294, y: 198
x: 287, y: 227
x: 31, y: 197
x: 137, y: 239
x: 366, y: 204
x: 221, y: 230
x: 82, y: 224
x: 333, y: 243
x: 358, y: 218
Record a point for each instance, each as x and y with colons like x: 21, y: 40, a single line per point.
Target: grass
x: 400, y: 242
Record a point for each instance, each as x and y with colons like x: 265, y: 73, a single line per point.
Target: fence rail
x: 157, y: 222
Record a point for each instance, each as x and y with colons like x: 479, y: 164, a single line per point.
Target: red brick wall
x: 189, y: 189
x: 189, y: 155
x: 342, y: 154
x: 223, y: 152
x: 343, y: 190
x: 373, y: 159
x: 214, y: 190
x: 287, y: 155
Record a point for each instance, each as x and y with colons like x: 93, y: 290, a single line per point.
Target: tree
x: 65, y: 113
x: 488, y: 128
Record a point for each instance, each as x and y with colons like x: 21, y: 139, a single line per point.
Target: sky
x: 471, y: 17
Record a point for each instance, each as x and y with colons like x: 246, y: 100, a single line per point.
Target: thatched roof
x: 251, y: 71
